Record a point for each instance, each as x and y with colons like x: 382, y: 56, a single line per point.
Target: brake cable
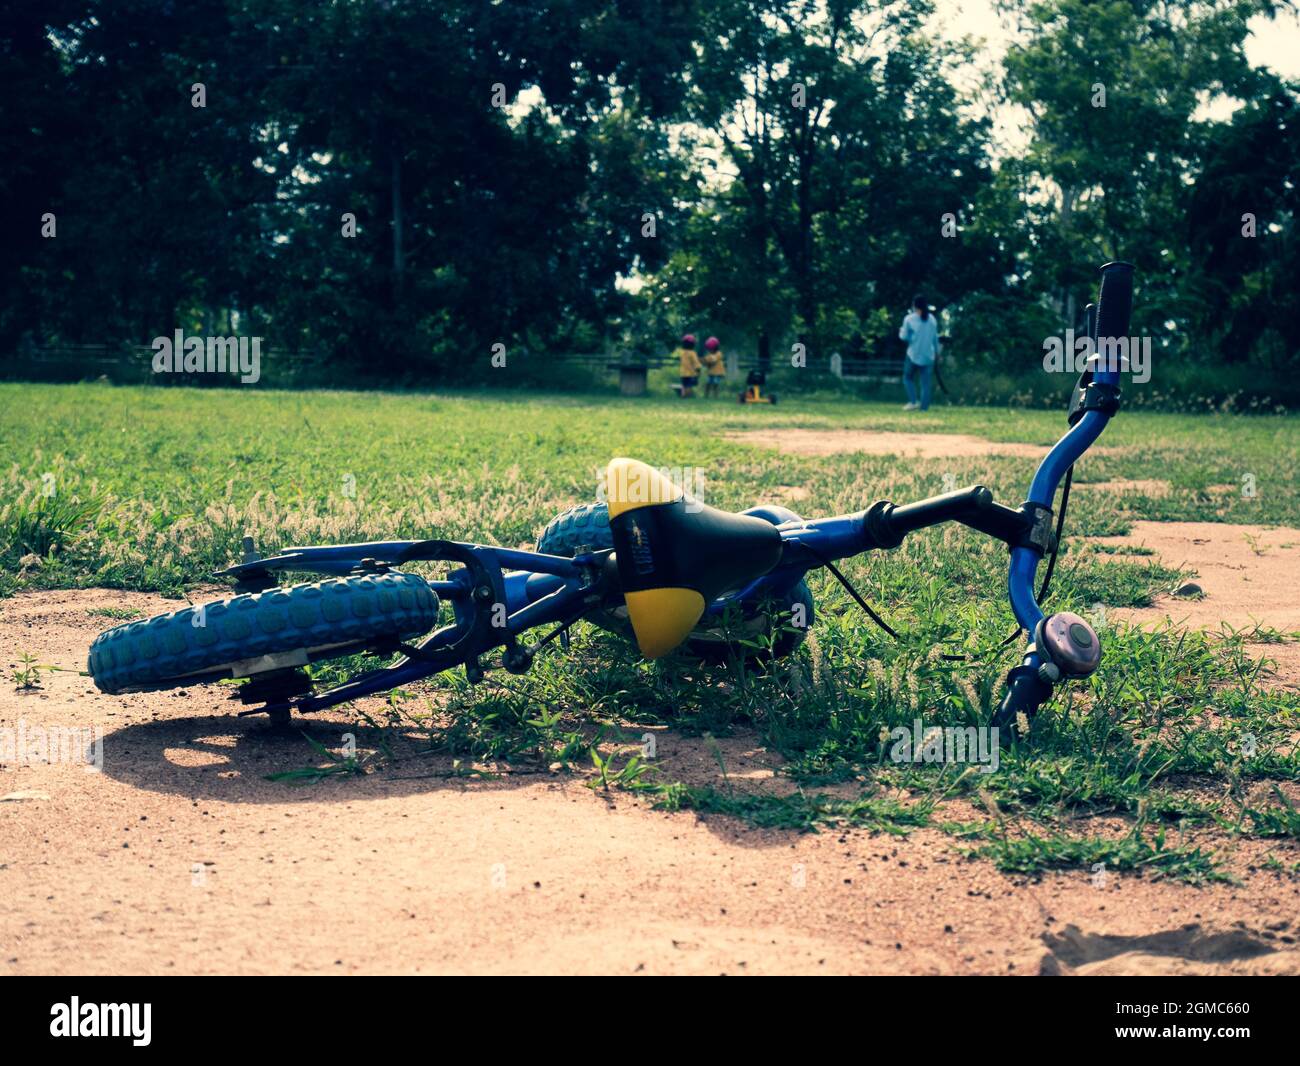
x: 1042, y: 588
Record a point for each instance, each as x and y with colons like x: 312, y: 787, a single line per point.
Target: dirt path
x: 815, y: 442
x: 1248, y: 576
x: 179, y: 856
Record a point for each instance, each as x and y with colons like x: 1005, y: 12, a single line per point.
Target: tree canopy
x: 397, y: 184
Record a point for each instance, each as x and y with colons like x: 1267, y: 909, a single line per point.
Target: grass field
x: 151, y: 489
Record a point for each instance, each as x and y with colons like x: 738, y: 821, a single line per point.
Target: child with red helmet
x: 714, y: 365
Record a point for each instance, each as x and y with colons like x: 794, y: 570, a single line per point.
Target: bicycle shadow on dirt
x: 221, y: 757
x: 237, y: 760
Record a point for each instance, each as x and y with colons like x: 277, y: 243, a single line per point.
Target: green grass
x: 801, y: 811
x: 151, y: 488
x: 120, y: 614
x: 1035, y: 854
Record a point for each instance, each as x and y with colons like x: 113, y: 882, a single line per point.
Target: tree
x: 1244, y: 256
x: 1112, y: 90
x: 497, y: 161
x: 847, y: 148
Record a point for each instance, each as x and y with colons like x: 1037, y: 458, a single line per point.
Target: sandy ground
x: 1248, y: 576
x: 815, y: 442
x: 179, y: 856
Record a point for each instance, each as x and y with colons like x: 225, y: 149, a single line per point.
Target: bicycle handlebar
x: 885, y: 525
x: 913, y: 516
x: 1031, y: 683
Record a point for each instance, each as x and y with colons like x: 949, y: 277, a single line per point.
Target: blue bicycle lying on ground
x: 652, y: 562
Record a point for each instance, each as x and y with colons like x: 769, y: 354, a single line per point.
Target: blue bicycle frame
x: 535, y: 589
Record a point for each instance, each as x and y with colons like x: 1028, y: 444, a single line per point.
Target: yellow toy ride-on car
x: 754, y: 389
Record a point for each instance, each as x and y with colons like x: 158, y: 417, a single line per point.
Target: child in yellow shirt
x: 689, y: 365
x: 715, y: 365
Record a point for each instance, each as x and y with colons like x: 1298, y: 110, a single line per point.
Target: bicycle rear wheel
x: 223, y: 638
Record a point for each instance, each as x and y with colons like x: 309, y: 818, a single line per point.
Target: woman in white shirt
x: 921, y: 331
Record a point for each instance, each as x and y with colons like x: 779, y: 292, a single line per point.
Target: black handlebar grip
x: 1115, y: 304
x: 910, y: 517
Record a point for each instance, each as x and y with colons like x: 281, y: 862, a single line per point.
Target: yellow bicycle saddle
x: 675, y: 554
